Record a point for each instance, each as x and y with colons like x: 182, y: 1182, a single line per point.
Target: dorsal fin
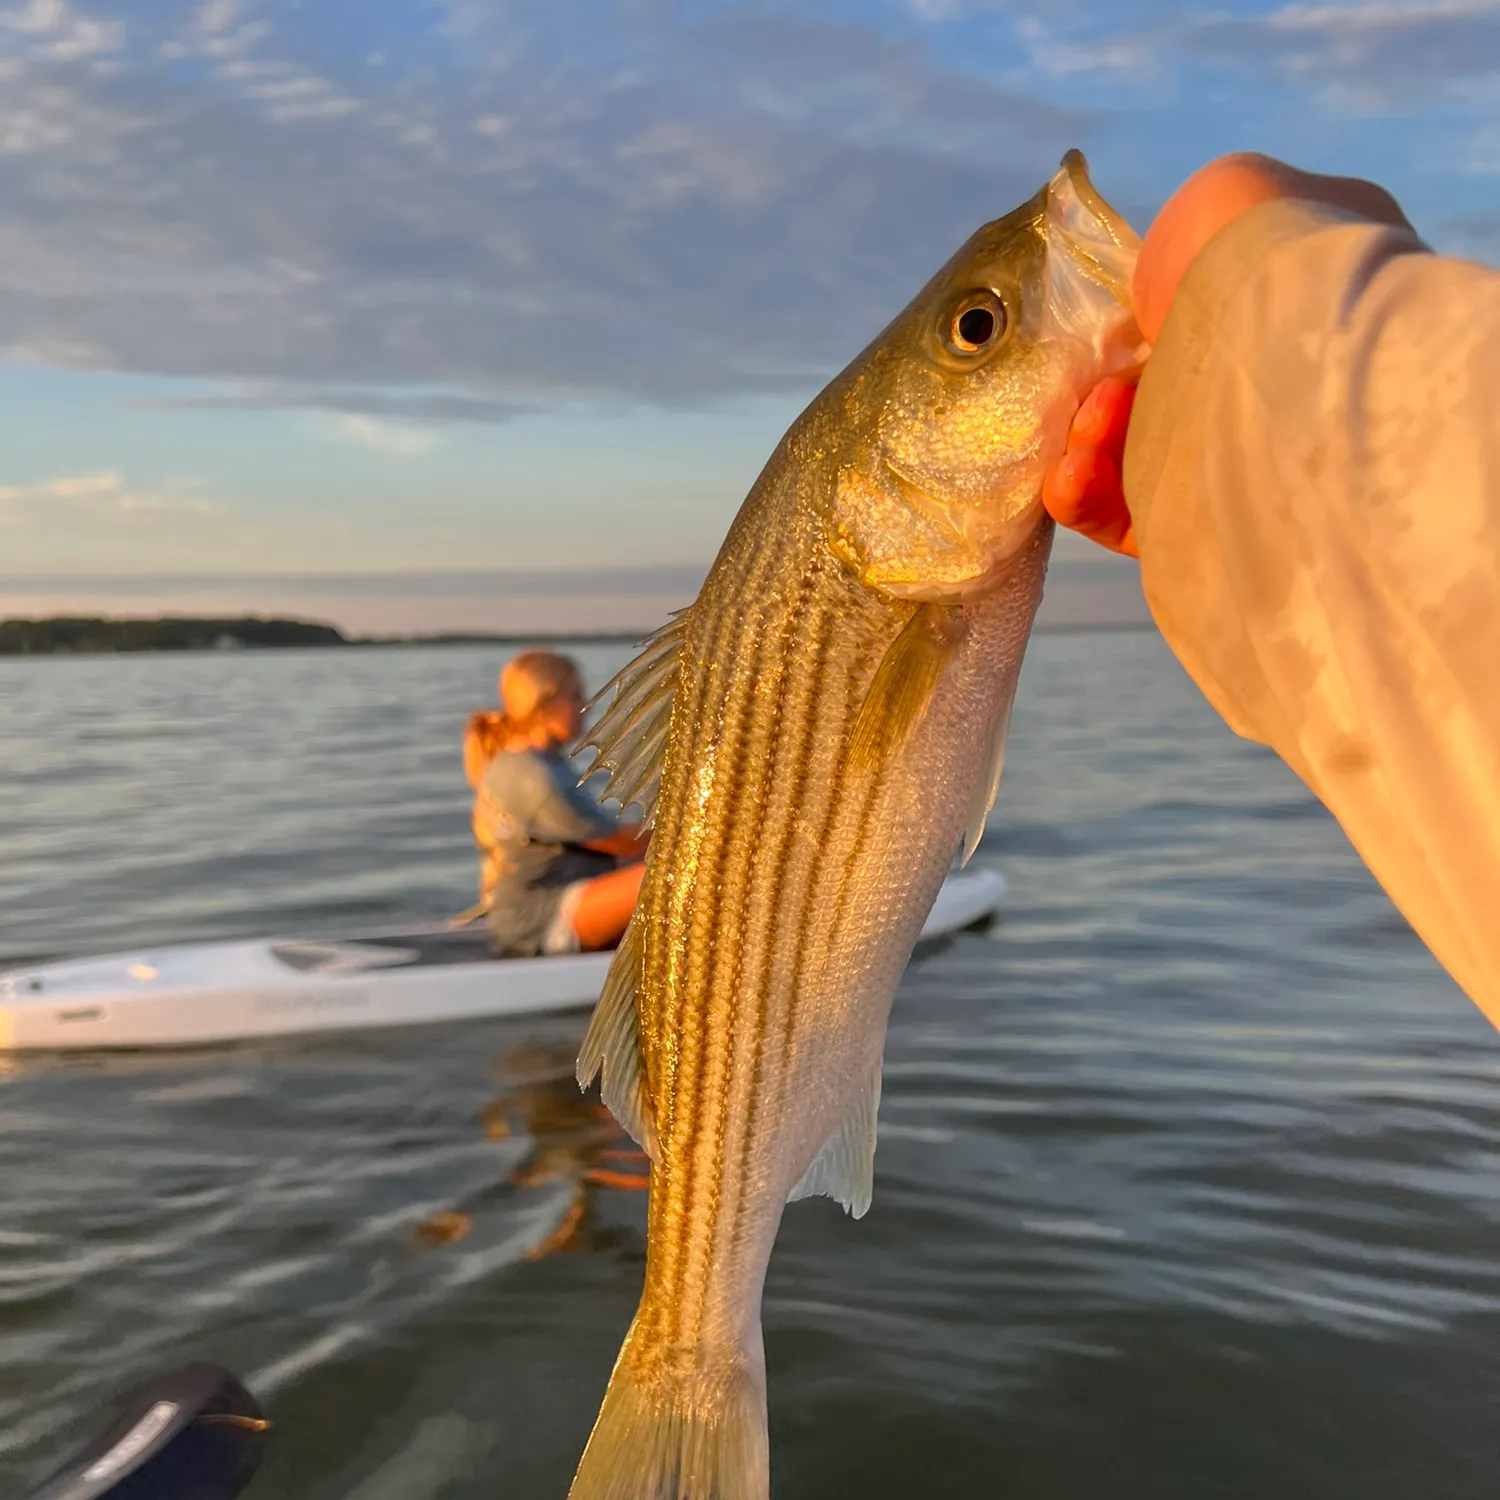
x: 612, y: 1046
x: 631, y: 735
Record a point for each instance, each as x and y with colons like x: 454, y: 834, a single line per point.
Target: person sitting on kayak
x: 558, y: 873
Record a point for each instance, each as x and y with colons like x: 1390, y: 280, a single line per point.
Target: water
x: 1187, y: 1183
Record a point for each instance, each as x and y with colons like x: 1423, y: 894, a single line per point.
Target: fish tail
x: 695, y: 1433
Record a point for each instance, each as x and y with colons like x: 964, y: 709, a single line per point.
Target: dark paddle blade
x: 195, y: 1434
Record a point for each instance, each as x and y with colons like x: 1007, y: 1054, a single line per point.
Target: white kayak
x: 197, y: 994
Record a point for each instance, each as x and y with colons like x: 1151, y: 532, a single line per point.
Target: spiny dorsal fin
x: 845, y: 1168
x: 904, y: 683
x: 612, y: 1046
x: 987, y: 785
x: 631, y: 735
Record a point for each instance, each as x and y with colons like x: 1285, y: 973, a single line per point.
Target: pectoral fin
x: 845, y: 1168
x: 612, y: 1047
x: 987, y: 785
x: 904, y: 683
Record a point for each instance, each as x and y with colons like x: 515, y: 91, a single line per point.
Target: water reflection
x: 571, y: 1138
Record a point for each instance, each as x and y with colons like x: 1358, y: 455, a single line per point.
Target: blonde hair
x: 528, y: 683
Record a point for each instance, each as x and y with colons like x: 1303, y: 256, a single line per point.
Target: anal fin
x: 844, y: 1169
x: 612, y: 1047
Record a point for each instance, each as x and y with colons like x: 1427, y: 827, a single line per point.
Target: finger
x: 1082, y: 489
x: 1082, y: 492
x: 1103, y: 418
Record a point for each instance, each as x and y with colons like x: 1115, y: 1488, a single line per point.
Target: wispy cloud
x: 385, y: 437
x: 687, y: 209
x: 421, y: 407
x: 1364, y: 56
x: 1059, y: 53
x: 53, y: 29
x: 103, y: 495
x: 1368, y: 56
x: 468, y: 209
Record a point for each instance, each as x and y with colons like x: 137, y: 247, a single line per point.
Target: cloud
x: 216, y: 15
x: 424, y: 407
x: 1362, y: 57
x: 1370, y: 56
x: 1136, y: 57
x: 51, y: 29
x: 524, y: 205
x: 101, y: 495
x: 384, y: 437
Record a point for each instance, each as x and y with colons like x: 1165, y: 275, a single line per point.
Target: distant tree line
x: 65, y: 635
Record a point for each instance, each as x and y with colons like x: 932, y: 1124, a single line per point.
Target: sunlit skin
x: 553, y: 722
x: 1083, y: 490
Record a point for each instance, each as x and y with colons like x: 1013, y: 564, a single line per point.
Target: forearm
x: 1312, y: 469
x: 628, y: 843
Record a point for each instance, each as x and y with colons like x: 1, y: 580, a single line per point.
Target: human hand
x: 1083, y: 489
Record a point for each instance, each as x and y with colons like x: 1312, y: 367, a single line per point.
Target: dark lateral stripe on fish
x: 709, y: 639
x: 661, y: 978
x: 804, y: 948
x: 682, y: 1020
x: 797, y: 734
x: 800, y: 639
x: 735, y: 995
x: 695, y: 998
x: 781, y: 890
x: 748, y: 884
x: 722, y: 936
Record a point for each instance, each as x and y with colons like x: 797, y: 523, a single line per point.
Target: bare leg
x: 605, y: 906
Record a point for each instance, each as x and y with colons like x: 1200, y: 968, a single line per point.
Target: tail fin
x: 664, y: 1434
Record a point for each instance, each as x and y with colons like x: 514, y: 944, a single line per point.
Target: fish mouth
x: 1096, y: 233
x: 1077, y: 168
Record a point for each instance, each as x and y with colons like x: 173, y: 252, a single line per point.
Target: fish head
x: 954, y: 413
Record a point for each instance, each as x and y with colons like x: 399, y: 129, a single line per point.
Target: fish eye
x: 975, y: 324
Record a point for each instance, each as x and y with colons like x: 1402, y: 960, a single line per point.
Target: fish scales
x: 832, y: 727
x: 738, y: 907
x: 734, y: 911
x: 691, y: 1004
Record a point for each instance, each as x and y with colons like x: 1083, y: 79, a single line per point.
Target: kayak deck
x: 198, y: 994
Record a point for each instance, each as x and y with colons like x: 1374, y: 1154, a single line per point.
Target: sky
x: 301, y: 289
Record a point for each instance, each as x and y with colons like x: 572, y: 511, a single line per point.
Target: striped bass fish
x: 812, y: 740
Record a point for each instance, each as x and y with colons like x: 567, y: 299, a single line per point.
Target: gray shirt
x: 538, y: 819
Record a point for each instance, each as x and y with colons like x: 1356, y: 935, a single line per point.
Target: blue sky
x: 325, y: 285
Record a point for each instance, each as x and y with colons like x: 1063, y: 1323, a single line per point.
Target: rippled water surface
x: 1187, y: 1183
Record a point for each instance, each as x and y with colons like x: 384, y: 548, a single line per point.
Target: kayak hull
x: 196, y: 995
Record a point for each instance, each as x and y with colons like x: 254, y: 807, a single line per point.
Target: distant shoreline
x: 75, y: 635
x: 83, y: 635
